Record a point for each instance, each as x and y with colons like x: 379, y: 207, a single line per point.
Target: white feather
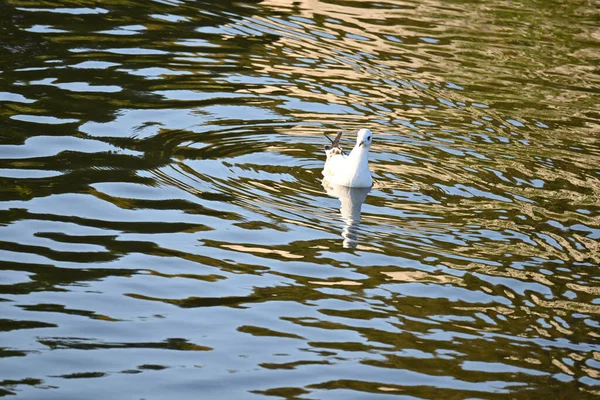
x: 350, y: 170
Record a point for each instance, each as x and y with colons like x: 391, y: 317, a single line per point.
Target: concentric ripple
x: 164, y: 231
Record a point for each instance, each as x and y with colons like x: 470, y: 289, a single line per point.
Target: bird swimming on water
x: 350, y: 170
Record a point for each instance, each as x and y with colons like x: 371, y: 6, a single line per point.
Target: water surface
x: 164, y: 232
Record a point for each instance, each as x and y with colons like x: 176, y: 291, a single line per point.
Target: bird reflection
x: 352, y: 199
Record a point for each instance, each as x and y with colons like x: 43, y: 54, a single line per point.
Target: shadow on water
x: 164, y: 231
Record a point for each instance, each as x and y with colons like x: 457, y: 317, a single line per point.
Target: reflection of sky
x: 73, y: 11
x: 161, y: 206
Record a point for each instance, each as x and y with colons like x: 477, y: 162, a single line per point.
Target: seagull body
x: 350, y: 170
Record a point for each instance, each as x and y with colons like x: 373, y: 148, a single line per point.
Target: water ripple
x: 161, y: 207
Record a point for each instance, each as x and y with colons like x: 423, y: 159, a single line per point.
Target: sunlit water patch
x: 165, y: 232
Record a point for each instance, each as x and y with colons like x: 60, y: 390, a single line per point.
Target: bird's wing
x: 335, y: 157
x: 335, y: 143
x: 334, y: 163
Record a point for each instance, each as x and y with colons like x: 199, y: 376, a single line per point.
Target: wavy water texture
x: 164, y: 231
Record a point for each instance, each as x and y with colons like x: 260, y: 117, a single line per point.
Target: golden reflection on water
x: 161, y: 203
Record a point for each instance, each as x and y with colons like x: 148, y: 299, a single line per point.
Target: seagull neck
x: 360, y: 153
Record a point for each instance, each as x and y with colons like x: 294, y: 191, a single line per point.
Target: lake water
x: 164, y: 232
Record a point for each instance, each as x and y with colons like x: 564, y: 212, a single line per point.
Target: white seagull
x: 350, y: 170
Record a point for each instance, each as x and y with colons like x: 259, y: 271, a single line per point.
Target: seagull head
x: 364, y: 137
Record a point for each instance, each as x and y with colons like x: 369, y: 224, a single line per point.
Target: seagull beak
x: 361, y: 143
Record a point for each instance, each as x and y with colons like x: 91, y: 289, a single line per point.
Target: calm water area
x: 164, y: 232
